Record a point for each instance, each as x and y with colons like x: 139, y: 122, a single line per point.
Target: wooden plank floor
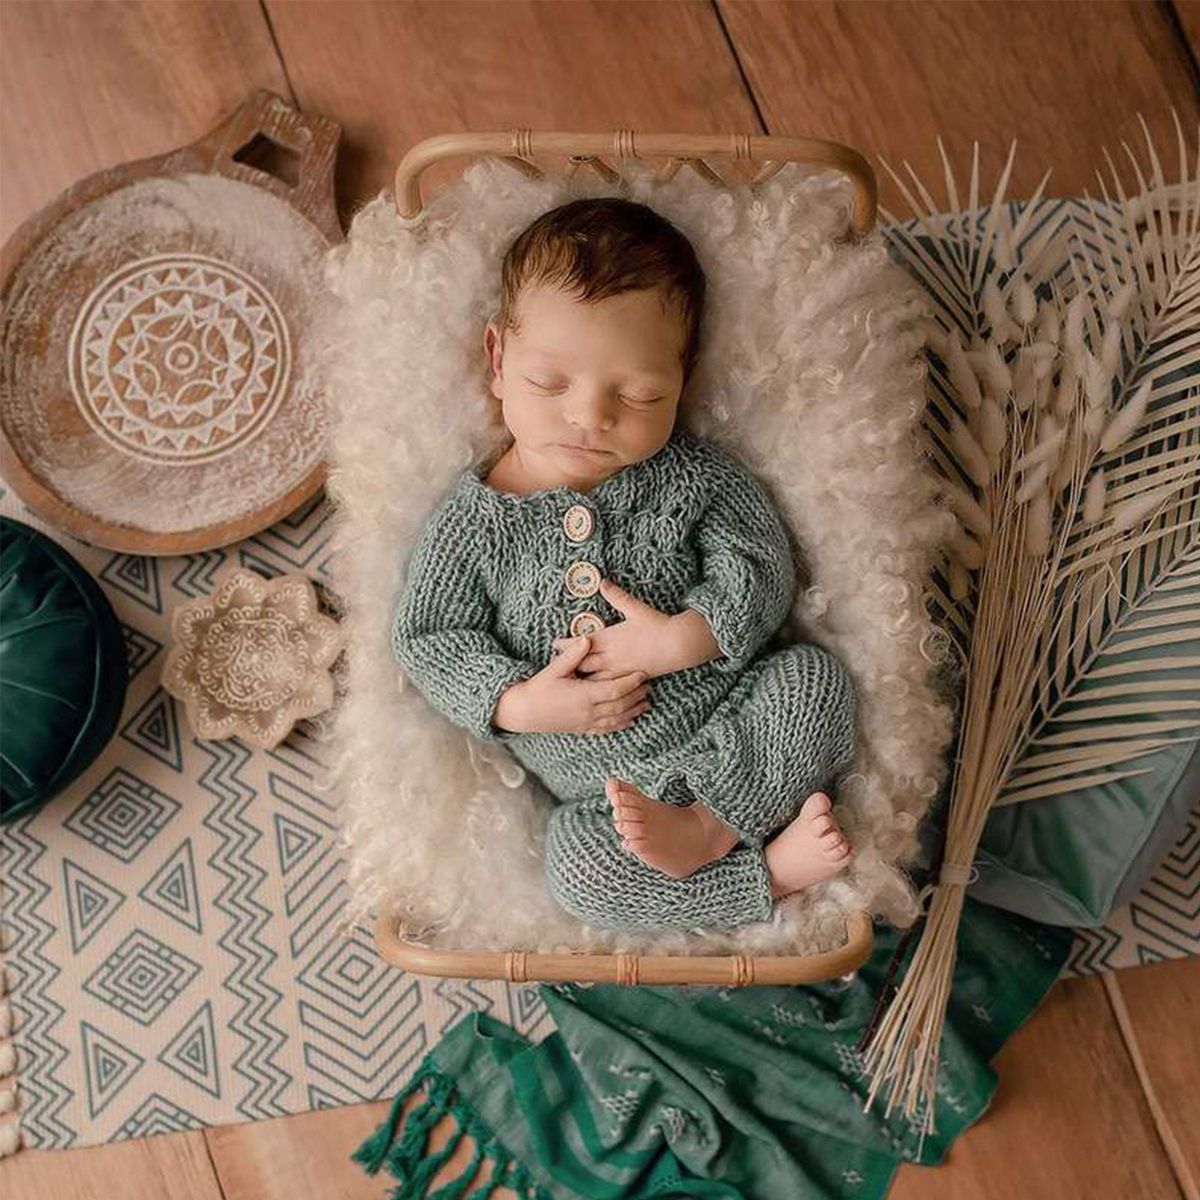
x: 1098, y: 1094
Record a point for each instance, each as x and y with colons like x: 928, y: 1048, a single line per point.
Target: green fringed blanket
x: 751, y: 1094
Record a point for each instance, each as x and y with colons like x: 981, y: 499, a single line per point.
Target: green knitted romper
x: 494, y: 577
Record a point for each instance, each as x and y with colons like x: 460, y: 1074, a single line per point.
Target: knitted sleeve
x: 747, y: 571
x: 442, y: 629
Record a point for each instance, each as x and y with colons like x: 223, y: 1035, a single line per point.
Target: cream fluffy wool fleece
x: 810, y: 371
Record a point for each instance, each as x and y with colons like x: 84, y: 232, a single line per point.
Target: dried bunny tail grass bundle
x: 971, y: 454
x: 962, y: 374
x: 1124, y: 422
x: 966, y: 508
x: 1093, y: 498
x: 1091, y: 554
x: 994, y: 372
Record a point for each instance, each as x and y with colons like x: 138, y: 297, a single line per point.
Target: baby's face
x: 605, y: 375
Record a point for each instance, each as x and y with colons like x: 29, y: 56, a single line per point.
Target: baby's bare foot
x: 674, y: 839
x: 808, y: 850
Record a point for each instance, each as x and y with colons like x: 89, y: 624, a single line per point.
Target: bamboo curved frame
x: 518, y: 148
x: 733, y: 970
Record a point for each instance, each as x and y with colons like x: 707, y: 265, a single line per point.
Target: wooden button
x: 582, y: 579
x: 585, y: 623
x: 578, y: 523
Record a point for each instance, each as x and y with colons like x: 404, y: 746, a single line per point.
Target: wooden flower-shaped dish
x: 253, y: 658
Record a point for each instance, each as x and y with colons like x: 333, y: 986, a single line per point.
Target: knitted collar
x: 617, y: 489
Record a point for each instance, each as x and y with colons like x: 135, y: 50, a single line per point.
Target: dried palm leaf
x: 1078, y: 612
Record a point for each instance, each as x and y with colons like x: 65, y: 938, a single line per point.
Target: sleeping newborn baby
x: 606, y: 548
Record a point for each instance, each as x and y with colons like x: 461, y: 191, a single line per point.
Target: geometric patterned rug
x: 170, y: 922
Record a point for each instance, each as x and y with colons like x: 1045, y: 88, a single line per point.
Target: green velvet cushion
x: 1072, y: 859
x: 63, y: 669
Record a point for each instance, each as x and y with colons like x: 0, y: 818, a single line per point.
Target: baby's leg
x: 785, y: 732
x: 596, y: 879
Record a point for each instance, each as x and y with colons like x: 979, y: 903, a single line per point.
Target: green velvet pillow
x: 63, y: 669
x: 1072, y: 859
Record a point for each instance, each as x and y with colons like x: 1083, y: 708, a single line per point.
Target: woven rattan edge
x: 737, y: 970
x: 519, y: 146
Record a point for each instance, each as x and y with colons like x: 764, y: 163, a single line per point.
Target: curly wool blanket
x: 811, y: 372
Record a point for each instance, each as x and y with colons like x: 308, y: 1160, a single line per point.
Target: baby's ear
x: 491, y: 345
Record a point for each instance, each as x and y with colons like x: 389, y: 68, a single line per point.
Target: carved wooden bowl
x: 158, y: 392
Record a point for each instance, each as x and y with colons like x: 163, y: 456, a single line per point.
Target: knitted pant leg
x: 597, y: 880
x: 788, y: 733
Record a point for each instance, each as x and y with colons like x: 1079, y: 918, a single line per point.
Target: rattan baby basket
x: 518, y: 148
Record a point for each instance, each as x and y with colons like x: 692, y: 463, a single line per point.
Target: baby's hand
x: 646, y: 640
x: 556, y: 700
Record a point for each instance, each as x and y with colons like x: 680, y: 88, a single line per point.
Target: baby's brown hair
x: 594, y: 248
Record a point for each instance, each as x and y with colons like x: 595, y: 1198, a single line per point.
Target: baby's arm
x: 748, y: 574
x: 441, y: 630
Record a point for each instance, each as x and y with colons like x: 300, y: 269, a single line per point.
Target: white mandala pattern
x: 179, y: 358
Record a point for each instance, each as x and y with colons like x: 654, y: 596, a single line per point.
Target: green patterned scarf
x: 747, y: 1093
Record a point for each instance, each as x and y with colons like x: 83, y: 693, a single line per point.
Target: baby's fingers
x: 611, y: 708
x: 631, y: 715
x: 622, y: 685
x: 612, y: 688
x: 607, y: 724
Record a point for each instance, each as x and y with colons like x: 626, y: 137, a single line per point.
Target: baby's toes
x: 838, y: 849
x: 816, y: 806
x: 629, y: 826
x: 632, y: 795
x: 621, y: 794
x: 630, y: 812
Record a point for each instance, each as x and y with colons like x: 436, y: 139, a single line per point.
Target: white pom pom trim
x: 10, y: 1139
x: 10, y: 1133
